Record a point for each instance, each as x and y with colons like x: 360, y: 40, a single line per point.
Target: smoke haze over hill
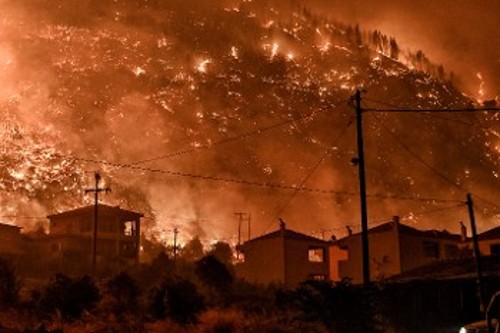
x: 193, y: 113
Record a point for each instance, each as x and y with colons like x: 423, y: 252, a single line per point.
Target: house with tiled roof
x: 11, y: 241
x: 284, y: 257
x: 71, y: 235
x: 489, y: 242
x: 394, y: 248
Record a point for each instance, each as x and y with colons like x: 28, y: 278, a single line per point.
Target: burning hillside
x: 195, y: 110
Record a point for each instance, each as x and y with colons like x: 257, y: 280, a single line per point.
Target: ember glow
x: 176, y: 107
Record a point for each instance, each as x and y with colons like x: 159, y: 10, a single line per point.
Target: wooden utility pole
x: 477, y: 254
x: 96, y: 192
x: 249, y: 222
x: 241, y: 217
x: 360, y: 160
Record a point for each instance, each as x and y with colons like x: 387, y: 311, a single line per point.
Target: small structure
x: 285, y: 257
x: 394, y: 248
x: 118, y: 234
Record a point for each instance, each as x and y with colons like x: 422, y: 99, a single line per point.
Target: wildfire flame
x: 481, y: 85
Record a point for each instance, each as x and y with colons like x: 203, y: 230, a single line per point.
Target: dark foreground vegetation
x: 201, y: 294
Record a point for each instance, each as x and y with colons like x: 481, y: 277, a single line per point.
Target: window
x: 129, y: 228
x: 495, y: 250
x: 430, y: 249
x: 317, y: 277
x: 316, y: 254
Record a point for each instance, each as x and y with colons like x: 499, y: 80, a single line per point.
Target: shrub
x: 69, y: 297
x: 177, y: 299
x: 124, y: 292
x: 9, y: 284
x: 213, y: 273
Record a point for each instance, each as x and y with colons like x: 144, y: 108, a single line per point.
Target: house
x: 285, y: 257
x: 11, y: 241
x: 489, y: 242
x: 394, y: 248
x: 71, y: 235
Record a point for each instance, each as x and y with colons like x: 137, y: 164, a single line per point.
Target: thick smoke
x: 158, y: 90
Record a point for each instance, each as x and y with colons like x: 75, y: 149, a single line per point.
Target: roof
x: 287, y: 234
x: 493, y: 233
x: 9, y: 227
x: 101, y: 208
x: 405, y: 229
x: 451, y: 268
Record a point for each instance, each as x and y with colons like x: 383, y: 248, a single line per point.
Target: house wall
x: 114, y: 240
x: 384, y: 256
x: 414, y: 253
x: 298, y: 267
x: 485, y: 246
x: 11, y: 242
x: 263, y: 261
x: 336, y: 254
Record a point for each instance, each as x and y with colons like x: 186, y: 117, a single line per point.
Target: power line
x: 24, y: 217
x: 415, y: 156
x: 430, y: 167
x: 245, y: 135
x: 433, y: 211
x: 252, y: 183
x: 485, y: 109
x: 313, y: 170
x: 395, y: 108
x: 430, y: 115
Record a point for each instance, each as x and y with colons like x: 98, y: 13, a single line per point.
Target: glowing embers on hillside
x: 201, y: 65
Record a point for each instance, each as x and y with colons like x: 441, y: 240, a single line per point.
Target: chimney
x: 463, y: 232
x: 282, y: 224
x: 396, y: 219
x: 349, y: 230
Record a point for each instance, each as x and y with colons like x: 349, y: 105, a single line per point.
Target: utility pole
x: 477, y: 254
x: 249, y: 222
x: 360, y: 161
x: 176, y: 231
x: 241, y: 217
x: 96, y: 192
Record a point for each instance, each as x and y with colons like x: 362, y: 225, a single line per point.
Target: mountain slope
x: 132, y: 82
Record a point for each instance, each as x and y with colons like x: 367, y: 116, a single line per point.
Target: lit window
x: 129, y: 228
x: 317, y: 277
x: 316, y: 254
